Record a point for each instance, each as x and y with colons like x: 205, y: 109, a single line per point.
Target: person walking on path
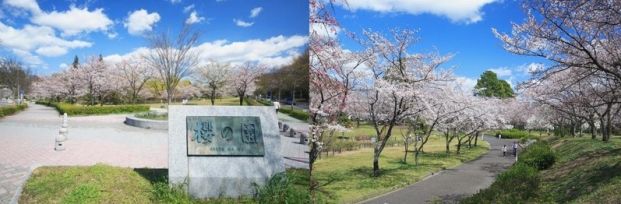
x: 504, y: 150
x: 499, y: 136
x: 515, y: 147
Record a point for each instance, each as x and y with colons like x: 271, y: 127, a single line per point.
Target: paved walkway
x: 27, y: 141
x: 452, y: 185
x: 294, y: 153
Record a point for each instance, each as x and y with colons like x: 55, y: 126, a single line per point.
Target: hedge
x: 513, y: 134
x: 538, y: 155
x: 298, y: 114
x: 10, y: 110
x: 72, y: 109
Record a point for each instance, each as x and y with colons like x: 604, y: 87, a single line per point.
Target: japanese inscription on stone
x: 224, y: 135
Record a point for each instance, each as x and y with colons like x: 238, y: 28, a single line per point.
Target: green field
x: 347, y: 177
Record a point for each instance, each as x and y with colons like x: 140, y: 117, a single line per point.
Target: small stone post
x: 303, y: 138
x: 279, y: 125
x: 62, y: 135
x: 292, y: 133
x: 285, y: 127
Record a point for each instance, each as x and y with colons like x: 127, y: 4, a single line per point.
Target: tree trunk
x: 476, y: 139
x: 592, y: 127
x: 416, y: 157
x: 376, y: 168
x: 405, y: 155
x: 241, y: 99
x: 212, y: 97
x: 446, y: 135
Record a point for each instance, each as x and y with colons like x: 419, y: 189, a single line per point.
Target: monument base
x: 222, y: 176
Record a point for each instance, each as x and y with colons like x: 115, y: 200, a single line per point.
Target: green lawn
x: 107, y: 184
x: 347, y: 177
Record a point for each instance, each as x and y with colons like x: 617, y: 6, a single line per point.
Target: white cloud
x: 325, y: 31
x: 63, y: 66
x: 468, y: 11
x: 466, y: 84
x: 188, y: 8
x: 40, y: 39
x: 274, y: 51
x: 51, y: 51
x: 528, y: 69
x: 75, y: 20
x: 28, y: 58
x: 255, y: 12
x: 140, y: 21
x: 29, y: 5
x: 112, y: 35
x: 194, y: 18
x: 175, y: 1
x: 241, y: 23
x: 502, y: 72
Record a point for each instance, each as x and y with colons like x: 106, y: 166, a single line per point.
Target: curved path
x: 452, y: 185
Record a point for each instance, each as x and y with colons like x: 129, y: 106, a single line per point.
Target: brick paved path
x: 27, y: 141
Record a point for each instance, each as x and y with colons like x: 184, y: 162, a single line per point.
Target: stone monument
x: 217, y: 151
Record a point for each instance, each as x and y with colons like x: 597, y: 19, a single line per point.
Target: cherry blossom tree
x: 93, y: 74
x: 581, y: 41
x: 215, y: 76
x: 396, y: 85
x: 135, y: 73
x: 246, y: 76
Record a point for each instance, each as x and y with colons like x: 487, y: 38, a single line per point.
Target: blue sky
x: 460, y: 27
x: 47, y: 34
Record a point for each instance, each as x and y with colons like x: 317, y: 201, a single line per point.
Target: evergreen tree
x: 76, y: 62
x: 490, y: 86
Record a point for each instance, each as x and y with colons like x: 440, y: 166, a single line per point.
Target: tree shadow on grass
x: 153, y: 175
x: 589, y: 176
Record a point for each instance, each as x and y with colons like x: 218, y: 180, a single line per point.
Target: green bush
x: 518, y: 184
x: 10, y: 110
x: 538, y: 155
x: 298, y: 114
x: 513, y: 134
x: 72, y: 109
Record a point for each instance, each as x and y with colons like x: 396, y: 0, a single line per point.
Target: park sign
x: 224, y: 135
x: 216, y: 151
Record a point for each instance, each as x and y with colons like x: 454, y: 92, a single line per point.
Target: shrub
x: 538, y: 155
x: 298, y: 114
x: 519, y: 183
x: 10, y: 110
x: 71, y: 109
x: 513, y: 134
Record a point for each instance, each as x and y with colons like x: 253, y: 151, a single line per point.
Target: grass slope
x: 587, y: 171
x: 346, y: 178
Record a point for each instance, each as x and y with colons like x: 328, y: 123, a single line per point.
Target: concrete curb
x: 20, y: 187
x: 146, y: 123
